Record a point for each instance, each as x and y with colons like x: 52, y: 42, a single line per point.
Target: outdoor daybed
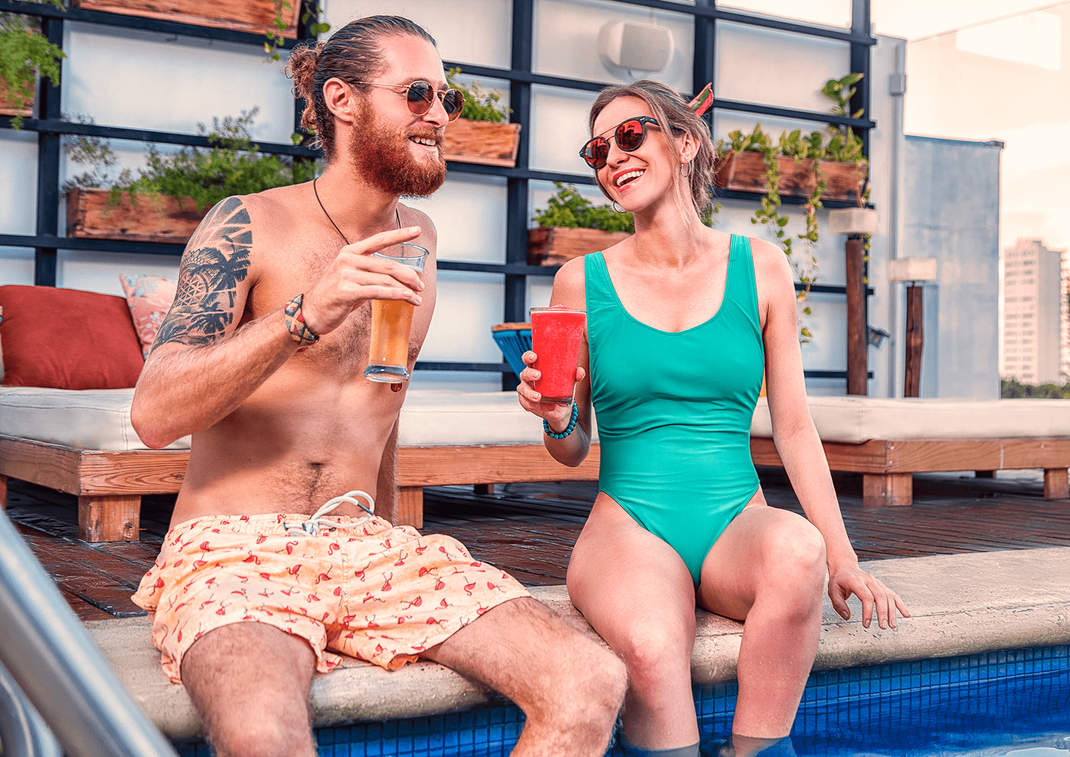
x: 60, y: 429
x: 887, y: 440
x: 81, y: 442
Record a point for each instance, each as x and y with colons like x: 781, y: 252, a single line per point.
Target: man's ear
x: 339, y: 98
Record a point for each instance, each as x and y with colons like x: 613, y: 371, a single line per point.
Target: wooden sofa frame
x: 109, y: 485
x: 887, y: 467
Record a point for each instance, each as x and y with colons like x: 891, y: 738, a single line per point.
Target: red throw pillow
x: 67, y: 339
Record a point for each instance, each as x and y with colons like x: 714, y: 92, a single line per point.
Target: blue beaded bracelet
x: 567, y: 431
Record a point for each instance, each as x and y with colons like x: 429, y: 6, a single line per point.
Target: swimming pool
x: 985, y: 704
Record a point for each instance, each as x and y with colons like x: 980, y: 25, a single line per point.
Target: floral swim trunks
x: 380, y: 593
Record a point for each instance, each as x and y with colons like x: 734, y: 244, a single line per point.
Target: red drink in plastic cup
x: 556, y: 335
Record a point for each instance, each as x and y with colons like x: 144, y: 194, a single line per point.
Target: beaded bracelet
x: 295, y: 323
x: 567, y: 431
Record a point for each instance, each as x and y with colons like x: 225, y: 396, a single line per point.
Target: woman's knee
x: 651, y: 649
x: 793, y: 558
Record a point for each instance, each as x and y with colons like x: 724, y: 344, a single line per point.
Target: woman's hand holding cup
x: 556, y: 414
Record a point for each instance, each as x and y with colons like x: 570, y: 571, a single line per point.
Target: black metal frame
x: 50, y: 129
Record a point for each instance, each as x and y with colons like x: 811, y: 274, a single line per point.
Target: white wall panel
x: 18, y: 189
x: 143, y: 80
x: 467, y: 31
x: 469, y: 213
x: 468, y: 305
x: 777, y: 68
x: 99, y: 272
x: 559, y: 129
x: 835, y: 13
x: 16, y: 265
x: 18, y: 206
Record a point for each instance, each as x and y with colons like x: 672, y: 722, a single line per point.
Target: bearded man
x: 266, y: 571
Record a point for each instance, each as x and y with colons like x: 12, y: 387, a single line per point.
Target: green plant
x: 479, y: 104
x: 275, y: 38
x: 1013, y: 389
x: 793, y: 145
x: 569, y: 208
x: 231, y: 165
x: 844, y: 145
x: 834, y: 143
x: 25, y: 53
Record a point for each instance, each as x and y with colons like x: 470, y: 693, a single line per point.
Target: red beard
x: 382, y: 158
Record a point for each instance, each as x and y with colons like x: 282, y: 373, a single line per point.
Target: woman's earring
x: 618, y: 207
x: 686, y: 173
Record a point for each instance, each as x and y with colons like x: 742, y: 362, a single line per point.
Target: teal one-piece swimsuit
x: 674, y: 409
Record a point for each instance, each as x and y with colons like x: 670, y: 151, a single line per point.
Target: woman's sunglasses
x: 420, y: 96
x: 629, y: 135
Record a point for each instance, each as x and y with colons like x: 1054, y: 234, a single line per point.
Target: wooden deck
x: 529, y: 529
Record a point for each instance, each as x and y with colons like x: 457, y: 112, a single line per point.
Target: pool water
x: 1013, y: 703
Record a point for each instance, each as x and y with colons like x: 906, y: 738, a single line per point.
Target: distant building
x: 1064, y: 318
x: 1035, y: 313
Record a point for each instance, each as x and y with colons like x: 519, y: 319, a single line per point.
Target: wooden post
x: 1056, y: 483
x: 109, y: 517
x: 887, y: 490
x: 857, y: 358
x: 915, y: 339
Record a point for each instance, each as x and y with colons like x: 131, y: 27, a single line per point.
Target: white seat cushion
x: 859, y: 419
x: 444, y: 417
x: 100, y: 418
x: 96, y: 419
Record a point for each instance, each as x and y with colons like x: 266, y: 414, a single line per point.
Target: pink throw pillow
x: 149, y: 298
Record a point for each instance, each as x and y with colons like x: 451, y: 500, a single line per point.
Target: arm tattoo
x: 216, y: 260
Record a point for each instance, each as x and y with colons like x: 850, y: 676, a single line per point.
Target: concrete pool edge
x: 961, y: 604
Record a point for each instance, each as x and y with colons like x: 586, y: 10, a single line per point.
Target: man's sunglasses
x: 629, y: 135
x: 420, y: 96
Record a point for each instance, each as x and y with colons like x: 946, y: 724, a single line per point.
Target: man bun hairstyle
x: 675, y: 117
x: 353, y: 53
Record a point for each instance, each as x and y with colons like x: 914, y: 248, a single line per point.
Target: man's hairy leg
x: 250, y: 684
x: 568, y: 684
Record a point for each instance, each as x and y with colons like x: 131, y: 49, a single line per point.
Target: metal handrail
x: 51, y: 657
x: 23, y: 733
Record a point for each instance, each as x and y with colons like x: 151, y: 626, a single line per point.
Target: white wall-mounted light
x: 635, y: 47
x: 912, y: 269
x: 853, y: 221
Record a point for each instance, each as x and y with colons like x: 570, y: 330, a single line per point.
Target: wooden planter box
x: 492, y: 144
x: 153, y: 219
x: 7, y: 108
x: 254, y: 16
x: 745, y: 172
x: 558, y: 244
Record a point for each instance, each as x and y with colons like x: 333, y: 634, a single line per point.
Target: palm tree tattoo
x: 215, y: 262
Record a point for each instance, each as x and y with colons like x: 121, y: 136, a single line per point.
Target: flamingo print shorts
x: 380, y: 593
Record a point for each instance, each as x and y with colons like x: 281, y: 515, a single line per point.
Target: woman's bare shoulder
x: 569, y: 284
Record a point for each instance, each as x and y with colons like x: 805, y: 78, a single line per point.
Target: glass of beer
x: 388, y: 358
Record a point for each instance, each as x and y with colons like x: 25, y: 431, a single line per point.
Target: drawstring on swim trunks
x: 311, y: 526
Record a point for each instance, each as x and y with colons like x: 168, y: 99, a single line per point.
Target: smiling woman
x: 682, y: 321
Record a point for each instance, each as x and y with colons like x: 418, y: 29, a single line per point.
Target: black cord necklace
x: 315, y: 191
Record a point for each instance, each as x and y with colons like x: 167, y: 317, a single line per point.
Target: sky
x: 982, y: 70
